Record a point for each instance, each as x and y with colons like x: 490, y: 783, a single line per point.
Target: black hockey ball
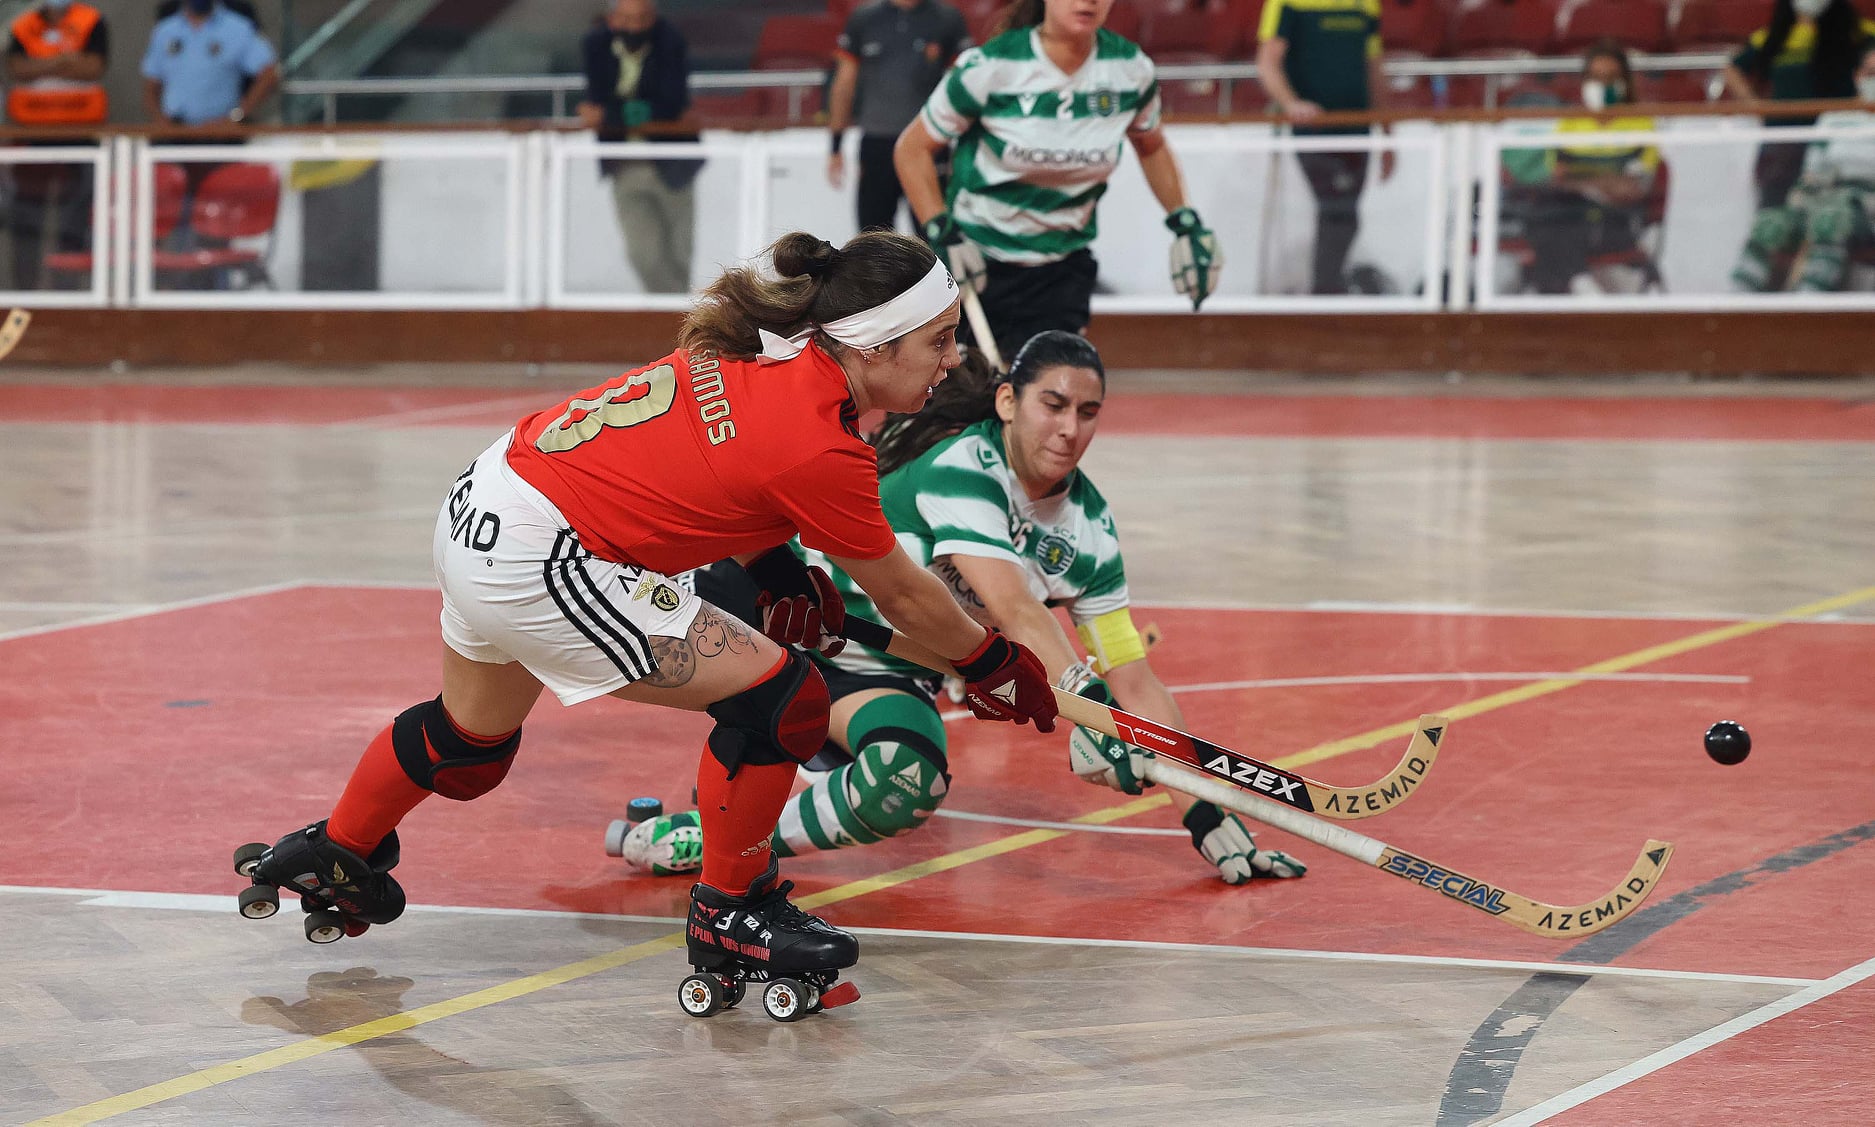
x: 1728, y: 742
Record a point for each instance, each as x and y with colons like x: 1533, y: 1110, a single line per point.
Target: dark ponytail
x: 1019, y: 14
x: 814, y: 282
x: 968, y: 395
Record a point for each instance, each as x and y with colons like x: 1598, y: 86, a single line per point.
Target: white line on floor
x: 105, y: 898
x: 1583, y: 1093
x: 145, y: 610
x: 1332, y: 606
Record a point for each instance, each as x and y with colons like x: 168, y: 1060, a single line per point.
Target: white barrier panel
x: 57, y: 204
x: 404, y: 222
x: 1661, y: 219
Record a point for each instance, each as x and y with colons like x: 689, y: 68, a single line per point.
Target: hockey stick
x: 980, y: 328
x: 1241, y: 771
x: 12, y: 329
x: 1553, y: 920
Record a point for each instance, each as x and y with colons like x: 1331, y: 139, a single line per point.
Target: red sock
x: 739, y: 815
x: 380, y: 792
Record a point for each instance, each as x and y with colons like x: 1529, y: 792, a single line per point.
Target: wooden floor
x: 216, y: 590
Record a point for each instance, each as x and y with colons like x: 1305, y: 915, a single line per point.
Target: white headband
x: 870, y: 328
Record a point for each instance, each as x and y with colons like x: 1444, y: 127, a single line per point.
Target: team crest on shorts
x: 664, y: 598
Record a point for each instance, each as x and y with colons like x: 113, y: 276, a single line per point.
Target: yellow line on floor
x: 1536, y: 689
x: 397, y: 1023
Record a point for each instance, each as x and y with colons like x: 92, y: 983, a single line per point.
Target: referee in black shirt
x: 889, y: 58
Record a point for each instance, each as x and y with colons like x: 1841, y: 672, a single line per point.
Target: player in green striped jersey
x: 983, y: 486
x: 1039, y: 116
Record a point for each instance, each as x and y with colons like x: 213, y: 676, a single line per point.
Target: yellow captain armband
x: 1111, y: 640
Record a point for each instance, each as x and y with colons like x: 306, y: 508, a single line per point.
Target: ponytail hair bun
x: 801, y: 255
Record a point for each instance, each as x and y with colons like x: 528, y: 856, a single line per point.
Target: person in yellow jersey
x: 55, y: 67
x: 1316, y: 57
x: 1588, y: 198
x: 1808, y: 50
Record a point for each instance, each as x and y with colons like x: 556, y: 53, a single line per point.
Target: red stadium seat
x: 1638, y: 25
x: 795, y: 38
x: 721, y: 107
x: 171, y: 185
x: 1127, y: 18
x: 1485, y: 25
x: 234, y: 201
x: 1414, y: 25
x: 1719, y: 23
x: 1186, y: 35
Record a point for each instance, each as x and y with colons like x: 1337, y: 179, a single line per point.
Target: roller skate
x: 342, y: 893
x: 762, y: 938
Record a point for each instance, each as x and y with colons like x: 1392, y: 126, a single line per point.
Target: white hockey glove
x: 1196, y: 259
x: 1223, y: 840
x: 962, y: 257
x: 1097, y: 758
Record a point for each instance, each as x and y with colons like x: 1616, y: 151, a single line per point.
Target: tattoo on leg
x: 712, y: 633
x: 677, y: 662
x: 716, y: 633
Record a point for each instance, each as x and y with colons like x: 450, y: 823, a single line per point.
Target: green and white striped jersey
x: 960, y: 498
x: 1035, y: 147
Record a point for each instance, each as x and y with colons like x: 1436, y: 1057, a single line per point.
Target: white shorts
x: 518, y: 586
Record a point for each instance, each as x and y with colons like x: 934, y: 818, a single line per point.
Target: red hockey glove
x: 799, y: 604
x: 1004, y: 681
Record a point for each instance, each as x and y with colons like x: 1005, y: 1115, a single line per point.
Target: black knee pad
x: 780, y: 720
x: 438, y: 759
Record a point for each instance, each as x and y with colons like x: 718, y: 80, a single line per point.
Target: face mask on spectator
x: 1809, y: 9
x: 1601, y: 95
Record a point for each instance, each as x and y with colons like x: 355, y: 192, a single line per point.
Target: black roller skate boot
x: 342, y: 893
x: 763, y: 938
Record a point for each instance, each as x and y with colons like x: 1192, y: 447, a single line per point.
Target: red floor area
x: 1236, y: 415
x: 1799, y: 1068
x: 152, y: 747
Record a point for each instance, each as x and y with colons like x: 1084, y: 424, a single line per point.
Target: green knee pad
x: 1832, y: 222
x: 1775, y: 229
x: 897, y: 778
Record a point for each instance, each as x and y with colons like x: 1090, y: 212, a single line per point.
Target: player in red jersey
x: 552, y: 551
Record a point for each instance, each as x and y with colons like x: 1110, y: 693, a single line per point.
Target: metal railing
x: 799, y: 83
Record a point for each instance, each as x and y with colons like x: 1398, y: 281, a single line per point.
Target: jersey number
x: 642, y: 397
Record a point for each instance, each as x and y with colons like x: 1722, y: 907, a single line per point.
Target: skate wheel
x: 325, y: 926
x: 247, y: 858
x: 615, y: 837
x: 737, y: 988
x: 786, y: 1000
x: 258, y: 901
x: 841, y: 994
x: 701, y: 995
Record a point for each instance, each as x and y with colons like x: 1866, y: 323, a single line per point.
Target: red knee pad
x: 780, y: 719
x: 439, y: 757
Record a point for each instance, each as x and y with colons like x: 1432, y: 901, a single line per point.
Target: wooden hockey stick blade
x: 12, y: 329
x: 1239, y: 770
x: 980, y: 328
x: 1553, y: 920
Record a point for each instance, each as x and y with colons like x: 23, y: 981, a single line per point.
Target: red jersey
x: 689, y: 460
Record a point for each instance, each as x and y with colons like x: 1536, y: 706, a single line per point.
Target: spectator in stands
x: 1809, y: 50
x: 890, y: 57
x: 1585, y: 201
x: 55, y: 65
x: 1827, y: 212
x: 637, y: 73
x: 197, y: 63
x: 1315, y: 56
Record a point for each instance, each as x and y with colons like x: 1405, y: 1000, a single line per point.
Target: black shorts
x: 1020, y: 301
